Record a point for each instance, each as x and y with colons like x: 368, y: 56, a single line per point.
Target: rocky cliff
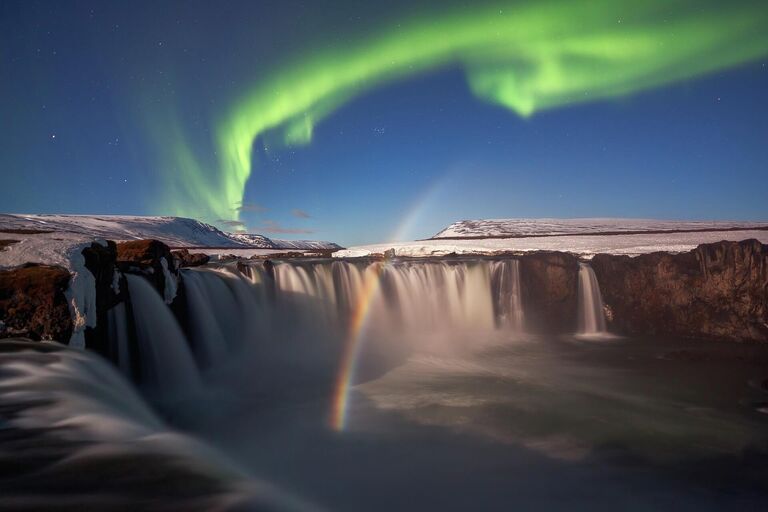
x: 549, y: 288
x: 717, y: 291
x: 33, y: 303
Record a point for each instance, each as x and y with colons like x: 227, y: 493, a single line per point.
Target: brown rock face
x: 187, y: 259
x: 549, y: 288
x: 32, y: 303
x: 718, y: 290
x: 145, y: 257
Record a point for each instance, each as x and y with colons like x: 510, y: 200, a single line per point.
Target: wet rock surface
x: 550, y: 291
x: 146, y: 257
x: 717, y: 291
x: 33, y: 303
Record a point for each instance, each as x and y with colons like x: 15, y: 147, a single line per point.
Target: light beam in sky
x: 526, y: 57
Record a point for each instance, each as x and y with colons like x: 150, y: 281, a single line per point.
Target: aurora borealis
x: 527, y: 57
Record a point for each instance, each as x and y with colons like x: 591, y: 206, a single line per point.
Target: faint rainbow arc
x: 360, y: 315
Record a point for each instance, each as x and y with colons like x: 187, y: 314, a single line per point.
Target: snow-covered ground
x: 583, y: 245
x: 491, y: 228
x: 173, y: 231
x: 63, y: 250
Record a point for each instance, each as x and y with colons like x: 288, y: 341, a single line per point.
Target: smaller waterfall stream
x: 117, y: 320
x: 591, y: 313
x: 509, y: 306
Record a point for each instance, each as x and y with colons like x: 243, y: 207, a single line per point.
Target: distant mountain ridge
x: 522, y: 228
x: 173, y: 231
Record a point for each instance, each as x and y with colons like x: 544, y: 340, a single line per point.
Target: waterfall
x: 417, y: 297
x: 591, y: 313
x: 117, y: 322
x: 167, y: 364
x: 225, y: 309
x: 231, y: 308
x: 509, y: 306
x: 76, y: 434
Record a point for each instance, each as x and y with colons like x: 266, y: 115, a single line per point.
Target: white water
x: 591, y: 312
x: 117, y: 321
x: 423, y: 297
x: 507, y: 279
x: 79, y: 436
x: 167, y: 365
x: 224, y: 311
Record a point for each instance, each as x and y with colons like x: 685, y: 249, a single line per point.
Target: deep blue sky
x: 78, y: 79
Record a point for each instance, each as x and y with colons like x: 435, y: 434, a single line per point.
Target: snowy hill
x: 174, y: 231
x: 520, y: 228
x: 585, y: 237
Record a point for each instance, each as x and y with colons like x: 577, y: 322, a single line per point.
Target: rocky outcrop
x: 101, y: 261
x: 549, y: 290
x: 33, y: 304
x: 717, y: 291
x: 186, y: 259
x: 151, y: 258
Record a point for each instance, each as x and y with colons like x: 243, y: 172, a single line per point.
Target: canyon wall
x: 717, y: 291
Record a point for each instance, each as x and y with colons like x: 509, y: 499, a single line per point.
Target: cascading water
x: 309, y: 306
x: 509, y: 306
x: 117, y: 320
x: 77, y: 435
x: 167, y: 365
x: 434, y: 296
x: 225, y: 309
x: 591, y: 313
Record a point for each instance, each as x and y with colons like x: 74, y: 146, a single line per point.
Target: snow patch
x: 61, y: 250
x: 116, y: 282
x: 81, y: 296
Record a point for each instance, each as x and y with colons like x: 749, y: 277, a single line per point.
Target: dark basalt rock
x: 549, y: 291
x: 186, y: 259
x: 145, y: 257
x: 717, y: 291
x: 33, y: 304
x: 111, y: 288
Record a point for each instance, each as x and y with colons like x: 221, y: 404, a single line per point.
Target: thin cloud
x: 232, y: 223
x: 300, y: 214
x: 249, y: 207
x: 271, y: 226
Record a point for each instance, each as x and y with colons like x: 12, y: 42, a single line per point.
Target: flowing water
x: 450, y: 405
x: 591, y: 312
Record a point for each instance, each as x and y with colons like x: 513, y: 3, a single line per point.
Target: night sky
x: 363, y: 121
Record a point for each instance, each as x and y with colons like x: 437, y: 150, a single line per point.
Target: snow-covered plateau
x: 585, y: 237
x: 514, y: 228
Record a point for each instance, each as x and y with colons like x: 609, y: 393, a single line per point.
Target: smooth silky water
x: 397, y: 385
x: 452, y: 406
